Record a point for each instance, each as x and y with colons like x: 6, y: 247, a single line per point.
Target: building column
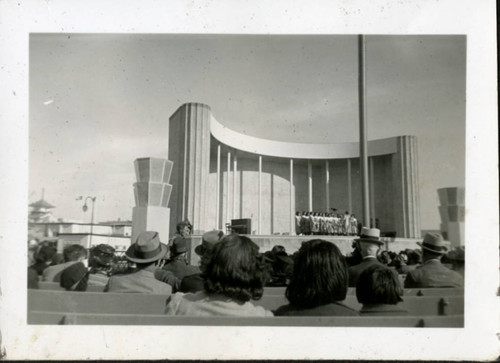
x: 190, y: 153
x: 235, y: 167
x: 406, y: 188
x: 292, y: 204
x: 259, y: 204
x: 349, y: 188
x: 217, y: 193
x: 372, y: 191
x: 310, y: 190
x: 327, y: 185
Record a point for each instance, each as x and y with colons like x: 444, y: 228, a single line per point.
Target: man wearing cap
x: 145, y: 252
x: 368, y: 245
x: 183, y: 229
x: 177, y: 266
x: 432, y: 273
x: 194, y: 283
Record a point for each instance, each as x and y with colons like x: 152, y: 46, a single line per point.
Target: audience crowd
x: 232, y: 272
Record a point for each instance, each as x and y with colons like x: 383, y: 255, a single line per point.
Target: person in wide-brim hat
x: 146, y: 251
x: 434, y: 242
x: 371, y: 235
x: 432, y: 273
x: 368, y: 244
x: 146, y: 248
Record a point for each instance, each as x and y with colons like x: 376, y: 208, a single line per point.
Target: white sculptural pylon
x: 152, y: 193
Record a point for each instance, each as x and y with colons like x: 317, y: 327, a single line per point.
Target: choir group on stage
x: 326, y: 223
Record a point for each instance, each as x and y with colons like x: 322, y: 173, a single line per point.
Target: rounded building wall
x: 248, y: 177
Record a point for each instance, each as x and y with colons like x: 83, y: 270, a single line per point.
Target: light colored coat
x: 201, y: 304
x: 139, y: 281
x: 432, y: 273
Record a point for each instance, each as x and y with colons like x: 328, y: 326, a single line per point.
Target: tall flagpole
x: 363, y: 145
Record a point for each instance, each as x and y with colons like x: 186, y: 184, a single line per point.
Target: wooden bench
x: 416, y: 305
x: 443, y: 292
x: 96, y: 302
x: 46, y: 285
x: 437, y: 291
x: 119, y: 303
x: 60, y: 318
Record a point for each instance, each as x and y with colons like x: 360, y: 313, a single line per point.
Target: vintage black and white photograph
x: 205, y: 180
x: 247, y: 176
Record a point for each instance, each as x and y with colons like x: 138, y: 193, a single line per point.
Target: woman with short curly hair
x: 234, y: 274
x: 380, y: 292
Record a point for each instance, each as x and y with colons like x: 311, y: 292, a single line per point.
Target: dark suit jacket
x: 180, y: 268
x: 193, y: 283
x: 355, y: 271
x: 433, y: 274
x: 333, y: 309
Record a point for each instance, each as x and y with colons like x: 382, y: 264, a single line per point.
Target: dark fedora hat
x: 433, y: 242
x: 371, y: 235
x: 179, y: 245
x: 209, y: 239
x: 146, y: 248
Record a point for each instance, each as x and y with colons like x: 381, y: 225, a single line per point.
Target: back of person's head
x: 278, y: 249
x: 429, y: 255
x: 368, y: 249
x: 378, y: 285
x: 414, y: 257
x: 45, y: 254
x: 101, y: 255
x: 74, y: 253
x: 235, y: 269
x: 384, y: 258
x: 75, y: 277
x: 319, y: 275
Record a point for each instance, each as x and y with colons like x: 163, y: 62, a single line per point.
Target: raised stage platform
x: 292, y: 243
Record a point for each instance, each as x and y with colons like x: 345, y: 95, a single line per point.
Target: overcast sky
x: 98, y: 102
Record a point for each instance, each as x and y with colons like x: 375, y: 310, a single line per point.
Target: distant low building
x: 115, y: 233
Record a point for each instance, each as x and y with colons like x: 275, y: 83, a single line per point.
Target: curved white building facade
x: 220, y: 175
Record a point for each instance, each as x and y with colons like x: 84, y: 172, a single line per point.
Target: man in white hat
x: 432, y: 273
x: 145, y: 252
x: 368, y: 244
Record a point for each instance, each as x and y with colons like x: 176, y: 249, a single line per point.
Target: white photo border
x: 475, y: 19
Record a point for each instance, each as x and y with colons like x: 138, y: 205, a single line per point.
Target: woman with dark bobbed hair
x: 319, y: 282
x: 379, y: 291
x: 234, y: 273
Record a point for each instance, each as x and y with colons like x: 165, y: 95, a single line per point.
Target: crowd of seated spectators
x: 232, y: 273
